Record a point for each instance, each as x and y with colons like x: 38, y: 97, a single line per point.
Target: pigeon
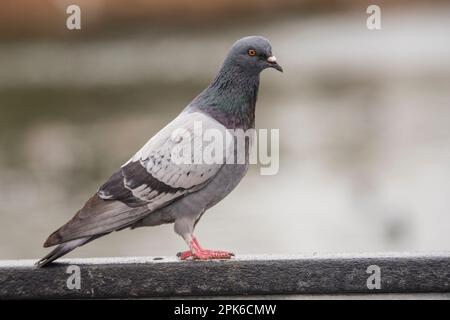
x: 153, y: 189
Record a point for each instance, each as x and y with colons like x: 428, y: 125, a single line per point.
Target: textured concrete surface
x: 277, y: 276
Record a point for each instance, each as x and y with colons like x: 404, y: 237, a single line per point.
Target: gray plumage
x: 150, y: 189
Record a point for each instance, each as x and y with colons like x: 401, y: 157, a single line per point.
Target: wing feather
x: 151, y: 179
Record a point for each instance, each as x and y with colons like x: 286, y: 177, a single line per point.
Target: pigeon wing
x: 154, y: 177
x: 172, y: 163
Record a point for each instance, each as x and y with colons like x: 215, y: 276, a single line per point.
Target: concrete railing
x: 244, y: 275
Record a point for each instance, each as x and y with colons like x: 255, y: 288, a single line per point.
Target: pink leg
x: 197, y: 252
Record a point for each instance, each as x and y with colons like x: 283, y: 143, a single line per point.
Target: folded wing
x: 168, y: 167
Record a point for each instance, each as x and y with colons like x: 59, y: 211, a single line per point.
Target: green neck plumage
x: 230, y: 98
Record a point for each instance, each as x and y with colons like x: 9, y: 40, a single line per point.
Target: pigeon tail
x: 63, y: 249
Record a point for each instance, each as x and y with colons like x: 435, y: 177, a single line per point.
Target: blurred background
x: 364, y: 119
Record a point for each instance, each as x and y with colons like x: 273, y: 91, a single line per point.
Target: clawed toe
x: 184, y: 255
x: 205, y: 255
x: 198, y: 253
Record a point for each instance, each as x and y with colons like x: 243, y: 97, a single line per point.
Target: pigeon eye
x: 251, y: 52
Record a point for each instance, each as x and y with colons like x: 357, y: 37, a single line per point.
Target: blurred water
x: 364, y: 128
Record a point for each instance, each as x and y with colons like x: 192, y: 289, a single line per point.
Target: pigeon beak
x: 272, y: 60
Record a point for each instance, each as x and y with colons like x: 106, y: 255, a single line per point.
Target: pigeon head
x: 252, y: 54
x: 231, y: 96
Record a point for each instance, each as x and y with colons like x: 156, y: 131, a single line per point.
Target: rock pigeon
x: 152, y: 189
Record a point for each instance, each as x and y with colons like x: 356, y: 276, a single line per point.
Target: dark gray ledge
x: 272, y: 275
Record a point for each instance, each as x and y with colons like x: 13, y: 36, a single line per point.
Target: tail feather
x: 98, y: 216
x: 63, y: 249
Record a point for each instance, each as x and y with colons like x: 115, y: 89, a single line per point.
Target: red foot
x: 184, y: 255
x: 197, y: 252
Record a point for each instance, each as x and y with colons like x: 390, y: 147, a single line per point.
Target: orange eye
x: 251, y: 52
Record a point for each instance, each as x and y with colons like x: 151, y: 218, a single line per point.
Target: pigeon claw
x: 198, y: 253
x: 184, y: 255
x: 212, y: 254
x: 205, y: 255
